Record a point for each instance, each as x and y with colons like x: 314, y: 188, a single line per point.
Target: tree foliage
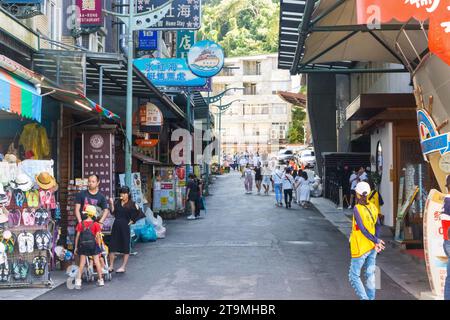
x: 241, y: 27
x: 296, y: 132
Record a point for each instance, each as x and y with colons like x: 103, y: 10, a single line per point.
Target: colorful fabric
x: 19, y: 97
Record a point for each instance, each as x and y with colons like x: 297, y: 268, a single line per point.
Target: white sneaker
x: 191, y: 217
x: 78, y: 284
x: 101, y: 282
x: 349, y: 207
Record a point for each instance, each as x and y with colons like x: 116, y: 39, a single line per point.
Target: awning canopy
x: 19, y: 97
x: 77, y: 99
x: 331, y: 32
x: 71, y: 69
x: 368, y: 106
x: 144, y: 158
x: 297, y: 99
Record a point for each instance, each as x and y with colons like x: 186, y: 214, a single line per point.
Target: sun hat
x: 10, y: 158
x: 7, y: 235
x: 91, y: 211
x: 22, y: 182
x: 363, y: 188
x: 45, y: 181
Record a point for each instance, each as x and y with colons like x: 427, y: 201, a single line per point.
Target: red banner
x: 90, y: 13
x: 437, y: 11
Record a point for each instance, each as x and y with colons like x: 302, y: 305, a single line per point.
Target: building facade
x: 260, y: 119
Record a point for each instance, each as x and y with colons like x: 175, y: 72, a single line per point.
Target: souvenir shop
x: 29, y: 211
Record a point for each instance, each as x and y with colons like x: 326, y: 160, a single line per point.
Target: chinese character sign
x: 148, y: 40
x: 185, y: 40
x: 437, y: 11
x: 183, y: 14
x: 98, y: 158
x: 90, y: 12
x: 168, y: 72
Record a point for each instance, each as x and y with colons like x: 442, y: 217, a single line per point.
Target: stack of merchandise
x: 75, y: 186
x: 27, y: 205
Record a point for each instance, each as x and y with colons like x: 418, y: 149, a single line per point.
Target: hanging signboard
x: 206, y: 58
x: 163, y: 189
x: 168, y: 72
x: 150, y: 115
x: 148, y: 40
x: 437, y: 11
x: 185, y: 41
x: 183, y: 14
x: 90, y: 13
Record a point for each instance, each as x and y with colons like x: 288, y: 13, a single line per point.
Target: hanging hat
x: 3, y: 215
x: 3, y: 196
x: 10, y: 158
x: 45, y: 181
x: 22, y: 182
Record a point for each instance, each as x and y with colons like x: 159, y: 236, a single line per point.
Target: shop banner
x: 148, y: 40
x: 433, y: 240
x: 183, y: 14
x: 168, y: 72
x: 135, y: 188
x: 164, y: 189
x: 206, y: 59
x: 185, y: 41
x: 90, y: 13
x: 430, y: 139
x: 150, y: 115
x: 437, y: 11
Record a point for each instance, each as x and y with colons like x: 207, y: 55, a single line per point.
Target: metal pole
x: 100, y: 90
x: 188, y: 118
x: 208, y: 125
x: 129, y: 122
x: 220, y: 138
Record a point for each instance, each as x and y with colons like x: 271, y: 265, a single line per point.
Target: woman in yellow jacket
x: 364, y: 243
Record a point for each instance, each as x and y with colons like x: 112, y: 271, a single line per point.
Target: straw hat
x: 45, y: 181
x: 10, y: 158
x: 22, y: 182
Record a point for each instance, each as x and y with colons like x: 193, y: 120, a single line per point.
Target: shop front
x: 29, y: 207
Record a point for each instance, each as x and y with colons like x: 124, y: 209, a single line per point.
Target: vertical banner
x: 185, y: 40
x: 90, y: 12
x: 98, y: 158
x: 135, y: 188
x: 148, y: 40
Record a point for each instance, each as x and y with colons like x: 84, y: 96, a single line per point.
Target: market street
x: 245, y: 248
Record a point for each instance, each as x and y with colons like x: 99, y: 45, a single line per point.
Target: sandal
x: 121, y: 270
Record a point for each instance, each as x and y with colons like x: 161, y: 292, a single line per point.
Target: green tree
x: 241, y: 27
x: 296, y: 133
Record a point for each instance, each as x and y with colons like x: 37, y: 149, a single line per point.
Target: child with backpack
x: 87, y: 243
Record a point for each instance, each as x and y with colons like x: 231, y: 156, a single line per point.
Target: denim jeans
x: 368, y: 261
x: 447, y: 279
x: 278, y: 195
x: 248, y: 182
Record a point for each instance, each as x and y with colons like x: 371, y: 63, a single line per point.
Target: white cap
x: 362, y: 188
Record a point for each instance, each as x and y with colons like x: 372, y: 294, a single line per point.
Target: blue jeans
x: 447, y: 279
x: 356, y: 265
x: 278, y: 194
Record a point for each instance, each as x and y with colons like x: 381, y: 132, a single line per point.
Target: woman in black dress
x: 258, y: 177
x: 124, y: 211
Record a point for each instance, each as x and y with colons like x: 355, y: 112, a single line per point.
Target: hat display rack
x: 28, y: 232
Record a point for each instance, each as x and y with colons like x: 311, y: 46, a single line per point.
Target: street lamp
x: 222, y: 109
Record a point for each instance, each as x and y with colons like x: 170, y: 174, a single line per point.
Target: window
x: 279, y: 108
x: 255, y: 131
x: 252, y: 68
x: 258, y: 68
x: 280, y: 129
x: 254, y: 109
x: 249, y: 88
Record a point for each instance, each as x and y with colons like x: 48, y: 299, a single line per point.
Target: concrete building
x: 260, y: 122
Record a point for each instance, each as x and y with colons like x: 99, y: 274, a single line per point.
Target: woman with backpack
x: 288, y: 183
x: 125, y: 212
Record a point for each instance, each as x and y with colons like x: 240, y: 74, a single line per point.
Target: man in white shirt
x: 242, y: 164
x: 277, y: 178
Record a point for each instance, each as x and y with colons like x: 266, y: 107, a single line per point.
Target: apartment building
x: 260, y: 121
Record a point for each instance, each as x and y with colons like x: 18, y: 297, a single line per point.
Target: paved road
x: 245, y: 248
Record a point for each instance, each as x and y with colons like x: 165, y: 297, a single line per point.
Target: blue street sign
x: 168, y: 72
x: 183, y: 14
x: 23, y: 1
x: 185, y: 41
x: 148, y: 40
x: 206, y: 58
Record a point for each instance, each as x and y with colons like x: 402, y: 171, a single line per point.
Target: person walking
x: 125, y: 212
x: 258, y: 177
x: 248, y: 179
x: 364, y: 243
x: 288, y: 184
x: 243, y: 163
x: 304, y: 190
x: 87, y: 244
x: 266, y: 173
x: 353, y: 182
x: 193, y: 195
x: 277, y: 178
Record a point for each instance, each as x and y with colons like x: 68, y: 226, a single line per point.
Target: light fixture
x: 82, y: 105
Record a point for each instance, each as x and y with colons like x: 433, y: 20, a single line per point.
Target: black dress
x: 120, y: 233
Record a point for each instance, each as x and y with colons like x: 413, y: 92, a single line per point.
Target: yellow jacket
x: 362, y: 241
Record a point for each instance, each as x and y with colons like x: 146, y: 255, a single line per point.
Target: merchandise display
x: 75, y: 186
x: 26, y: 239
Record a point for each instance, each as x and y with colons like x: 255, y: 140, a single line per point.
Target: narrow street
x: 245, y: 248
